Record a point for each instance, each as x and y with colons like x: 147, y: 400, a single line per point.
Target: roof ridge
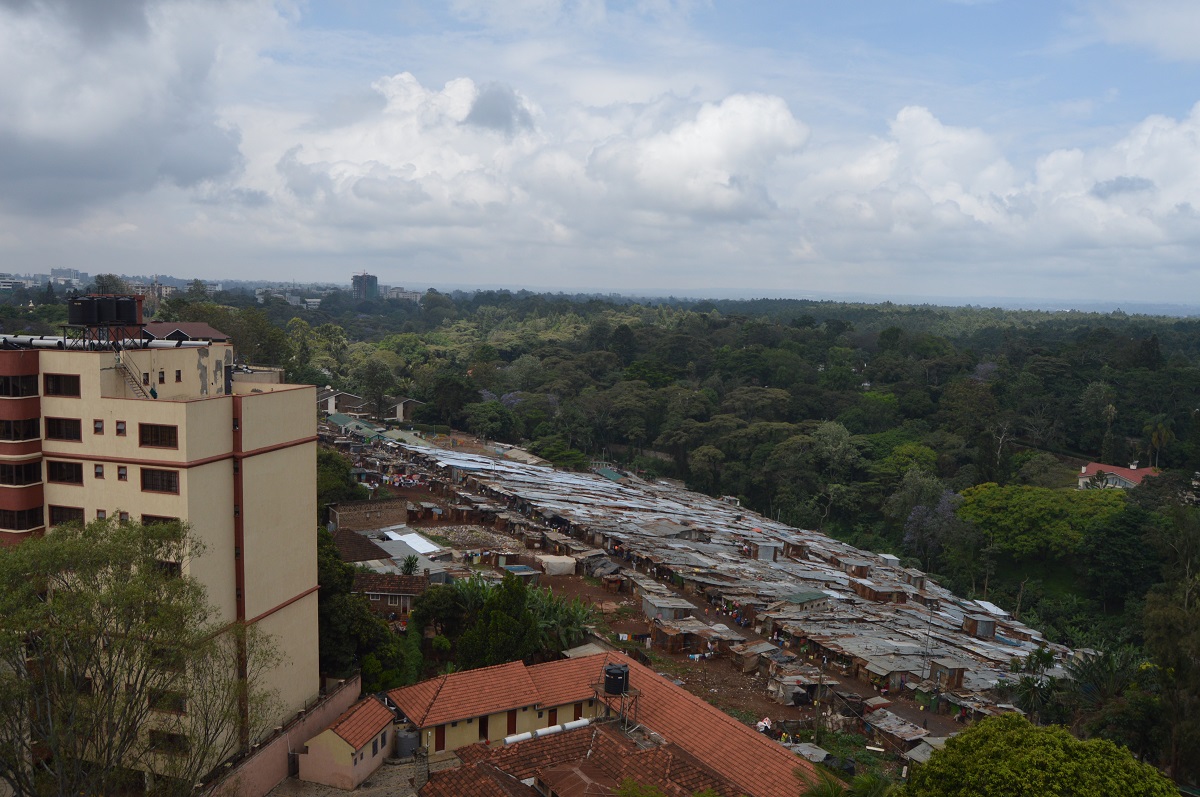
x: 433, y: 700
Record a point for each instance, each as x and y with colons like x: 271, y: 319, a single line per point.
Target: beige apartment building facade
x: 93, y: 430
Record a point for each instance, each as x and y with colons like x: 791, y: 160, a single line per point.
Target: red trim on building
x: 283, y: 605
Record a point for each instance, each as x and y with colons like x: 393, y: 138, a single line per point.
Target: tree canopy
x: 1006, y: 756
x: 112, y: 661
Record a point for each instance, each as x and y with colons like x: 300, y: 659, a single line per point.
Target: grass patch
x: 439, y: 539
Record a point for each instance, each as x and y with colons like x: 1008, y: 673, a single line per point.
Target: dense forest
x: 950, y: 436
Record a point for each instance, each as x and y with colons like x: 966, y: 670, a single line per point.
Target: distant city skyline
x: 950, y: 150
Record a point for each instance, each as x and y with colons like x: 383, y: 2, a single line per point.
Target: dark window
x: 168, y: 700
x: 20, y: 519
x: 64, y: 429
x: 124, y: 517
x: 18, y: 386
x: 25, y: 473
x: 162, y: 377
x: 62, y: 385
x: 101, y: 514
x: 122, y: 473
x: 169, y: 569
x: 179, y: 376
x: 64, y: 472
x: 173, y: 743
x: 168, y: 658
x: 99, y: 471
x: 160, y: 481
x: 120, y: 428
x: 374, y: 747
x: 145, y: 378
x: 20, y: 430
x: 65, y: 514
x: 158, y: 436
x: 150, y: 520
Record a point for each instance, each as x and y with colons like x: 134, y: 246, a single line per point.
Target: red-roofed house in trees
x: 351, y: 749
x: 1096, y: 475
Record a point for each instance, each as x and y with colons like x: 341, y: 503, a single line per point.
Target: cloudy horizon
x: 949, y: 148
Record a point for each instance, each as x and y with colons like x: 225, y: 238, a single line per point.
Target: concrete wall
x: 362, y: 515
x: 268, y: 766
x: 466, y: 732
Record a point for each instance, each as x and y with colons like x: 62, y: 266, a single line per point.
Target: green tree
x: 108, y: 283
x: 334, y: 482
x: 349, y: 634
x: 505, y: 631
x: 1006, y: 756
x: 411, y: 563
x: 375, y: 381
x: 100, y: 627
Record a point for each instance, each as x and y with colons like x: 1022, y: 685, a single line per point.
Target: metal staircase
x: 130, y: 377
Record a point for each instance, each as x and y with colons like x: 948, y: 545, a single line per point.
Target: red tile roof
x: 566, y: 681
x: 475, y: 780
x: 756, y: 765
x: 462, y: 695
x: 1133, y: 475
x: 389, y: 583
x: 362, y: 722
x: 607, y: 756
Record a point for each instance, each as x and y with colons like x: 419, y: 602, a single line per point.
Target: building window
x: 153, y: 435
x: 120, y: 428
x: 374, y: 747
x: 145, y: 378
x: 122, y: 473
x: 25, y: 473
x: 162, y: 377
x: 97, y: 426
x: 62, y: 385
x: 64, y: 472
x: 171, y: 743
x: 18, y: 386
x: 28, y: 429
x: 123, y: 517
x: 99, y: 471
x: 393, y: 600
x: 160, y: 481
x: 168, y: 700
x: 65, y: 514
x: 21, y: 519
x: 64, y: 429
x: 169, y: 569
x: 179, y: 376
x: 150, y: 520
x: 101, y: 514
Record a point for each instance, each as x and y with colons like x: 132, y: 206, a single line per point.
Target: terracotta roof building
x: 586, y: 761
x: 1114, y: 476
x: 338, y: 756
x: 477, y: 705
x: 390, y: 595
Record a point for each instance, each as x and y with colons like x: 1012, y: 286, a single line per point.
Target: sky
x: 920, y: 149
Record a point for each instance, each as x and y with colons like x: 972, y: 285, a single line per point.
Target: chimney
x: 1133, y: 465
x: 1083, y: 469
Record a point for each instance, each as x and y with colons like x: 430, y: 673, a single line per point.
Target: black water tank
x: 616, y: 679
x: 81, y: 311
x: 127, y: 310
x: 106, y: 309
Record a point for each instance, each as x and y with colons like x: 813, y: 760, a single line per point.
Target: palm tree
x: 411, y: 563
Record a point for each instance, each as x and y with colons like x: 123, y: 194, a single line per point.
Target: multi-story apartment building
x: 91, y: 430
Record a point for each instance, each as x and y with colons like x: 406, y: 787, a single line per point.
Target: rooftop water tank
x: 616, y: 679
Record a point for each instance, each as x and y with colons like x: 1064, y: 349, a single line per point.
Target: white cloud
x: 1170, y: 28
